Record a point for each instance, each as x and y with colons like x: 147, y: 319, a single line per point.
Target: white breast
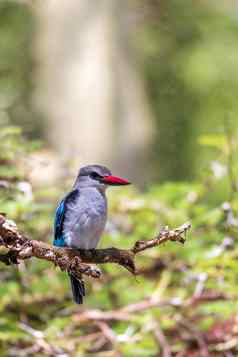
x: 85, y: 219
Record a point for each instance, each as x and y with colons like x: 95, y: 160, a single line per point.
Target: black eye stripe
x: 95, y: 175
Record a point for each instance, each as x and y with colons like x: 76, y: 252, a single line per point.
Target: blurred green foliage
x: 189, y: 58
x: 16, y: 65
x: 189, y: 55
x: 35, y: 300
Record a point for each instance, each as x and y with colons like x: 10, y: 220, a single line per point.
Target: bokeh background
x: 149, y: 89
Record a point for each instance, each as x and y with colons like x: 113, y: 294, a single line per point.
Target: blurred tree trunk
x: 89, y: 85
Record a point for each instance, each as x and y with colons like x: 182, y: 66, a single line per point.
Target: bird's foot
x: 90, y: 270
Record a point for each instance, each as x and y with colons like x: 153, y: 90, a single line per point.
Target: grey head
x: 99, y: 177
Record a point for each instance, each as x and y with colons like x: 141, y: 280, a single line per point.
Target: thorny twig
x: 19, y: 247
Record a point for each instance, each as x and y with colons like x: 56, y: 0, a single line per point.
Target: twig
x: 40, y: 344
x: 126, y: 313
x: 123, y: 314
x: 19, y: 247
x: 178, y: 235
x: 196, y: 335
x: 163, y: 343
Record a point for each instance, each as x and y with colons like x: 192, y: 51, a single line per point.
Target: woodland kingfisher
x: 81, y: 215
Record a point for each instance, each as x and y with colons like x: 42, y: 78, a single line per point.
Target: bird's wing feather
x: 59, y: 239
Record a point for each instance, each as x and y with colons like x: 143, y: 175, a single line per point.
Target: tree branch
x: 15, y: 246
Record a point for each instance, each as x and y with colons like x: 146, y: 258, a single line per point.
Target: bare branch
x: 15, y: 246
x: 162, y: 340
x: 128, y: 312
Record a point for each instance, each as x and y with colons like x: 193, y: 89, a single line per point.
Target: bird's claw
x: 93, y: 271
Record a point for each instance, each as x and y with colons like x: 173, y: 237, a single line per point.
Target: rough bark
x: 15, y: 246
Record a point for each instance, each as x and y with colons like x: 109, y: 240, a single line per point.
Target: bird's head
x: 99, y: 176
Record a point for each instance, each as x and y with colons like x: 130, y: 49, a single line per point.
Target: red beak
x: 115, y: 181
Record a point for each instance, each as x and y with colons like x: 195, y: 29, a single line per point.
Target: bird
x: 81, y: 215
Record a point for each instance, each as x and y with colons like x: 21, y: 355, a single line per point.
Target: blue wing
x: 58, y: 226
x: 59, y: 239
